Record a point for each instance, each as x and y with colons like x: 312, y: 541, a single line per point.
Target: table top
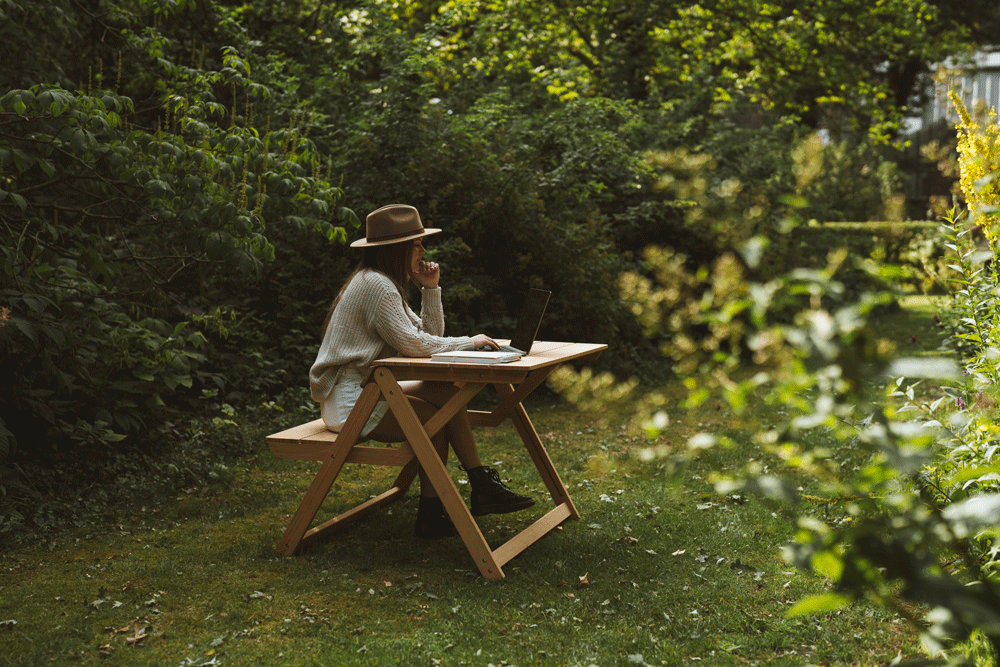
x: 543, y: 354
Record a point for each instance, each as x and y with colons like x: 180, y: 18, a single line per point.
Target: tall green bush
x: 118, y: 229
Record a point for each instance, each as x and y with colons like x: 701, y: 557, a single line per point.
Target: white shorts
x: 346, y: 392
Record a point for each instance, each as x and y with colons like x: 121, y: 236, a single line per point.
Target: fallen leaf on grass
x: 137, y: 635
x: 584, y: 581
x: 679, y: 552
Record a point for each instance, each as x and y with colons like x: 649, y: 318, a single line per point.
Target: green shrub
x: 113, y: 238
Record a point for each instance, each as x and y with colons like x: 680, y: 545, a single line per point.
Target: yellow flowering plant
x: 979, y: 161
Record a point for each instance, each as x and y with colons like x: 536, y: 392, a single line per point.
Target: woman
x: 371, y: 319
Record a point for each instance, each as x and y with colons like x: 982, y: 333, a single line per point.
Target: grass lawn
x: 655, y: 573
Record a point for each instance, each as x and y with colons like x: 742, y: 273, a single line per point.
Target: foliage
x: 824, y: 63
x: 908, y: 503
x: 523, y: 195
x: 879, y: 538
x: 45, y: 502
x: 916, y: 251
x: 771, y: 187
x: 120, y: 240
x: 171, y: 174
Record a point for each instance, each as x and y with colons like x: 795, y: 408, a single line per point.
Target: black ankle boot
x: 432, y: 521
x: 491, y: 496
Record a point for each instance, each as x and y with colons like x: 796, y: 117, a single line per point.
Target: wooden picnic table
x: 513, y: 382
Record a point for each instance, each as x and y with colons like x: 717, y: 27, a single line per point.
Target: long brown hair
x: 392, y: 260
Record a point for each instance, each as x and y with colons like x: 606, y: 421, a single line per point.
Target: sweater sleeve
x: 422, y: 338
x: 431, y: 311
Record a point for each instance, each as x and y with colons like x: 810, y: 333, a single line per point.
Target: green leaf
x: 963, y: 475
x: 319, y: 208
x: 53, y: 333
x: 795, y: 201
x: 157, y: 188
x: 828, y: 564
x: 78, y: 140
x: 37, y: 304
x: 26, y: 327
x: 818, y: 604
x: 8, y: 443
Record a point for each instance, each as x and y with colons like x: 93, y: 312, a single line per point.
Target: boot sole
x: 501, y: 509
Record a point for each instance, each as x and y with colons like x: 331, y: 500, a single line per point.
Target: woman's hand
x: 484, y: 342
x: 428, y: 274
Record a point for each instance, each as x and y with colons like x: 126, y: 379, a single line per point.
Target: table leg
x: 538, y: 453
x: 320, y: 486
x: 437, y: 473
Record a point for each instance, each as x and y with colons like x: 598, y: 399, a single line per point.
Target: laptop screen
x: 530, y: 319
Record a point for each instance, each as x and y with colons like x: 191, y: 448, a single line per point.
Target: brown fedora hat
x: 392, y: 224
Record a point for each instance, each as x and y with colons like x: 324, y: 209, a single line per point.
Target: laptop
x: 528, y: 322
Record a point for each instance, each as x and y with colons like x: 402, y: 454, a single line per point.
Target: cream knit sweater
x: 371, y: 322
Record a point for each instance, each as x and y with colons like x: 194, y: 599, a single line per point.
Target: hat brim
x: 365, y: 243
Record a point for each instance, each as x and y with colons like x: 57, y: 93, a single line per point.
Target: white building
x: 977, y: 83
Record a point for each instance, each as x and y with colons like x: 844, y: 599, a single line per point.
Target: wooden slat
x: 297, y: 433
x: 531, y: 534
x: 380, y: 456
x: 351, y: 515
x: 543, y: 354
x: 317, y: 448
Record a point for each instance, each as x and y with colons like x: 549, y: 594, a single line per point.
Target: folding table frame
x: 513, y: 382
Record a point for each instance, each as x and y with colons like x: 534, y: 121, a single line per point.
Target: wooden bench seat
x: 312, y: 441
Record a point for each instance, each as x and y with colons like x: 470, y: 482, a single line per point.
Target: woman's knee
x: 435, y: 393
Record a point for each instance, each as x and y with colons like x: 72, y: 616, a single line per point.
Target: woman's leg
x: 458, y: 431
x: 389, y: 430
x: 489, y: 494
x: 432, y: 519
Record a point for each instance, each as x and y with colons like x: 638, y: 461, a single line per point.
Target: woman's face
x: 416, y: 256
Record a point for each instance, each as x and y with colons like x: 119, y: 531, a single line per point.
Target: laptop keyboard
x: 503, y: 348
